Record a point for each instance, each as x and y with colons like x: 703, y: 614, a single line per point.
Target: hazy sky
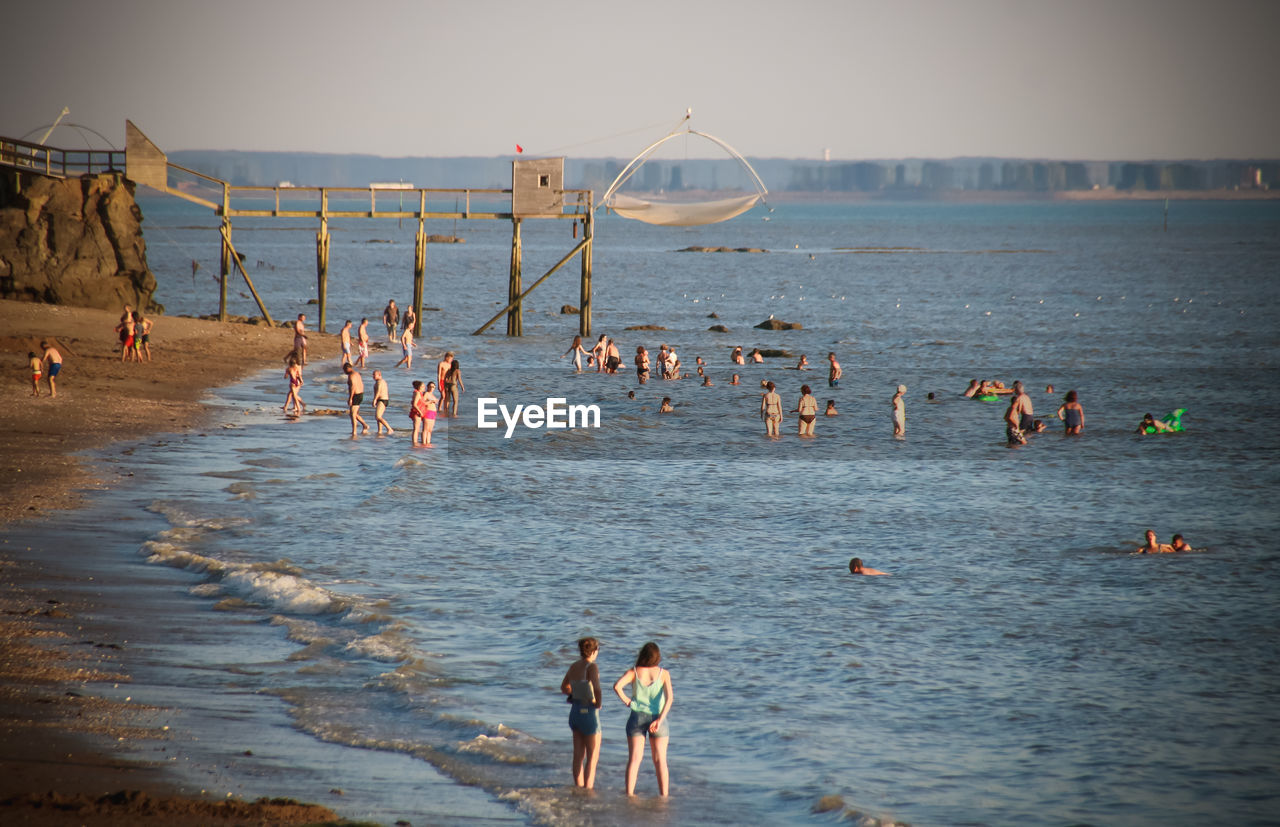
x: 1085, y: 79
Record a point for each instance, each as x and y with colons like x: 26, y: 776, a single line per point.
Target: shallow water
x: 1019, y: 666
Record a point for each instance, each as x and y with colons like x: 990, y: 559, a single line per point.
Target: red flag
x: 519, y: 149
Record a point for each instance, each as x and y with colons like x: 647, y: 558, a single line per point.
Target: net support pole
x: 515, y: 313
x: 224, y: 262
x: 419, y: 268
x: 584, y: 289
x: 322, y: 260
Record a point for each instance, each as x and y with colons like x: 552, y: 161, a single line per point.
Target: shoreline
x: 56, y: 760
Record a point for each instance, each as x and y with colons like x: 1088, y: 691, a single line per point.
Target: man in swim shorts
x: 362, y: 343
x: 381, y: 398
x: 54, y: 360
x: 344, y: 336
x: 355, y: 396
x: 36, y: 366
x: 834, y: 372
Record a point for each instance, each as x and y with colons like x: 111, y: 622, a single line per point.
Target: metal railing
x: 59, y: 163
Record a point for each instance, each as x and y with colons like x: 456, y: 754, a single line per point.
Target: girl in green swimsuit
x: 650, y: 702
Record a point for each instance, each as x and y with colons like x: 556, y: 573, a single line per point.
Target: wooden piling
x: 322, y: 259
x: 584, y: 289
x: 515, y: 316
x: 224, y: 268
x: 419, y: 265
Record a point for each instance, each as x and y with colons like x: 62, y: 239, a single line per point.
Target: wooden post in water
x: 515, y: 316
x: 584, y: 289
x: 224, y: 268
x: 322, y: 258
x: 419, y: 265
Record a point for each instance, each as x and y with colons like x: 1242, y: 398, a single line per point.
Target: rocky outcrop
x: 76, y: 241
x: 777, y: 324
x: 721, y: 250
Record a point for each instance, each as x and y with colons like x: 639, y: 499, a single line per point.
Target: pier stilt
x: 419, y: 267
x: 224, y: 270
x: 584, y: 291
x: 322, y: 260
x: 515, y: 316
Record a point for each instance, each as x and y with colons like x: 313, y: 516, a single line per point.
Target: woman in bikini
x: 293, y: 373
x: 452, y: 388
x: 430, y: 407
x: 582, y: 684
x: 650, y: 703
x: 807, y: 407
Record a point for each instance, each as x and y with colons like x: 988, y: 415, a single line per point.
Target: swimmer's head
x: 1071, y: 395
x: 417, y: 384
x: 805, y: 389
x: 855, y: 565
x: 769, y: 385
x: 588, y: 646
x: 347, y: 368
x: 1048, y: 389
x: 902, y: 389
x: 639, y: 349
x: 431, y: 386
x: 377, y: 374
x: 631, y: 394
x: 930, y: 395
x: 1148, y: 418
x: 666, y: 400
x: 44, y: 344
x: 1177, y: 538
x: 1017, y: 386
x: 1151, y: 537
x: 649, y: 655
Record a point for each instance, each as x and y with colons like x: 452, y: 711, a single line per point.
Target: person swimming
x: 856, y: 567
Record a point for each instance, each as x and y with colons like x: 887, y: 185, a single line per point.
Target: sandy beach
x: 55, y: 765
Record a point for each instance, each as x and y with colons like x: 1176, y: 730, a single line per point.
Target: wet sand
x: 57, y: 763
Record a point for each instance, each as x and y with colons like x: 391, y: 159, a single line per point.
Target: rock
x: 313, y: 301
x: 778, y: 324
x: 769, y: 353
x: 696, y: 249
x: 713, y: 315
x: 718, y: 328
x: 76, y: 241
x: 645, y: 327
x: 568, y: 310
x: 445, y: 239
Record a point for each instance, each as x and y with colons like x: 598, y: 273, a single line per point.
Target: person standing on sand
x: 36, y: 366
x: 355, y: 396
x: 344, y: 336
x: 899, y: 412
x: 582, y: 684
x: 300, y: 338
x: 362, y: 343
x: 391, y: 318
x: 453, y: 388
x: 381, y: 399
x: 807, y: 407
x: 406, y: 349
x: 771, y: 410
x: 650, y: 703
x: 53, y: 358
x: 293, y: 374
x: 142, y: 338
x: 127, y: 329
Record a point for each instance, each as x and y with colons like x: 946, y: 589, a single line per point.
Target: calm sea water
x: 1018, y: 667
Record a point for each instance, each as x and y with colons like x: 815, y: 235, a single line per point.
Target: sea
x: 393, y: 622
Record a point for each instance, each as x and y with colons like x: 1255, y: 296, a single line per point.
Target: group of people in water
x: 429, y: 400
x: 649, y: 704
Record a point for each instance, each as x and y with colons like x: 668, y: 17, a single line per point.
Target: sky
x: 1077, y: 80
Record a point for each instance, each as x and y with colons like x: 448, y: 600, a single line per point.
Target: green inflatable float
x: 1172, y: 419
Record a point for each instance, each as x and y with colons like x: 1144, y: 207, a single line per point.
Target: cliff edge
x: 75, y: 241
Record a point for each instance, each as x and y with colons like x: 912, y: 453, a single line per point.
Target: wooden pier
x: 537, y: 192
